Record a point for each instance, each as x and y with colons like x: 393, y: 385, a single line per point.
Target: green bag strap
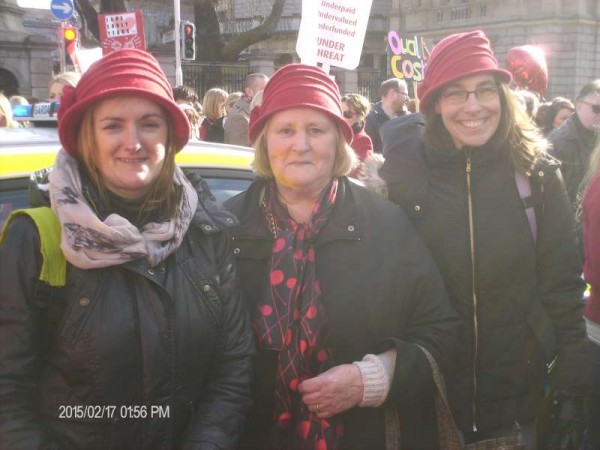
x: 54, y: 266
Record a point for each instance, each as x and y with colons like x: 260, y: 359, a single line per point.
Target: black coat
x: 173, y: 336
x: 520, y: 300
x: 380, y: 289
x: 572, y: 144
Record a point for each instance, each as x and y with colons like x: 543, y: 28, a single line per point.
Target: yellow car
x: 226, y: 168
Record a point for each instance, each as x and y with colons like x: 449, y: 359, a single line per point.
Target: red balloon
x: 527, y: 64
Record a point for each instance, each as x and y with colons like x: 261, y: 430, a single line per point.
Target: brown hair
x: 359, y: 103
x: 162, y: 190
x: 516, y: 131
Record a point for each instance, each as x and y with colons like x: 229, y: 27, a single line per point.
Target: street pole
x: 61, y: 47
x: 178, y: 71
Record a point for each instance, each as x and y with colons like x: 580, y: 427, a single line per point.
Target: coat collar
x: 344, y: 222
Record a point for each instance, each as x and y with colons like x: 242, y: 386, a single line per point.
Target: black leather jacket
x: 125, y: 357
x: 519, y: 299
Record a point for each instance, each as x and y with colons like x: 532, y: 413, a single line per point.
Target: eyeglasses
x: 348, y: 114
x: 459, y: 96
x: 595, y: 108
x: 401, y: 92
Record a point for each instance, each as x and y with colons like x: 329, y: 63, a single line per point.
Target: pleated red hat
x: 124, y: 72
x: 454, y: 57
x: 297, y: 86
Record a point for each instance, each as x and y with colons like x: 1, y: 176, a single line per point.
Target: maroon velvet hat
x: 121, y: 73
x: 297, y: 86
x: 454, y: 57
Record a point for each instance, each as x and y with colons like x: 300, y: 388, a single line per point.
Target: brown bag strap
x: 447, y: 431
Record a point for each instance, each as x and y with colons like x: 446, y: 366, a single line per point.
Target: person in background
x: 236, y: 126
x: 590, y: 216
x: 213, y: 107
x: 394, y: 96
x: 529, y: 101
x: 6, y: 115
x: 345, y: 299
x: 59, y: 81
x: 412, y: 105
x: 232, y: 99
x: 493, y: 210
x: 573, y: 142
x: 185, y: 94
x: 193, y: 117
x: 355, y: 108
x: 559, y: 110
x: 18, y: 100
x: 149, y: 315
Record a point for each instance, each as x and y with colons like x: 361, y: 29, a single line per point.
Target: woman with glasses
x: 355, y: 108
x: 493, y: 210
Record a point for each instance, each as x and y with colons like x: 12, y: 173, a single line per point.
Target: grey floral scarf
x: 88, y: 242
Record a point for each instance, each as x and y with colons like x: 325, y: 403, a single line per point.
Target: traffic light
x: 69, y: 35
x: 188, y: 41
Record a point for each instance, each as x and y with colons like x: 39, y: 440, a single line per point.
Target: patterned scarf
x: 89, y: 242
x: 293, y: 322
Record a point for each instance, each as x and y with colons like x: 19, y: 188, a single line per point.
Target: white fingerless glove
x: 377, y: 372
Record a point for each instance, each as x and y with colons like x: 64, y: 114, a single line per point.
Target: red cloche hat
x: 124, y: 72
x: 454, y: 57
x: 297, y: 86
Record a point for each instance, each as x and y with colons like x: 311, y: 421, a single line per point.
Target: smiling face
x: 301, y: 146
x: 131, y: 135
x: 472, y: 122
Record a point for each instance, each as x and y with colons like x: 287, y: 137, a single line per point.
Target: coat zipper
x: 473, y: 291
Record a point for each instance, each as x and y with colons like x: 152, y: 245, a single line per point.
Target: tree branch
x: 235, y: 46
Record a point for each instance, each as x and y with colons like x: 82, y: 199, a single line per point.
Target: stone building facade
x: 567, y: 31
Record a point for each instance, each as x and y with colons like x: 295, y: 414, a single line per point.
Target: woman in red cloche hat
x: 493, y: 209
x: 140, y: 341
x: 345, y: 301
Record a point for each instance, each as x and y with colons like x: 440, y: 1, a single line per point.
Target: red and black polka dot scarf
x: 293, y: 322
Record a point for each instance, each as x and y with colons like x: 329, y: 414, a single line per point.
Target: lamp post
x: 177, y: 17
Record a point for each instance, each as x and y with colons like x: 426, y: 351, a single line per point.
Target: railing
x: 203, y: 77
x: 368, y: 83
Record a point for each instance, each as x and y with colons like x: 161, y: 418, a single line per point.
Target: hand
x: 334, y: 391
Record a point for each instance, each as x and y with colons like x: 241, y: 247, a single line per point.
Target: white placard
x: 332, y: 32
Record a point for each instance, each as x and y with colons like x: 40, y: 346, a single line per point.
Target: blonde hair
x: 6, y: 114
x: 213, y: 103
x: 359, y: 103
x: 516, y: 131
x: 66, y: 78
x: 593, y: 169
x: 232, y: 100
x: 162, y: 191
x: 345, y: 158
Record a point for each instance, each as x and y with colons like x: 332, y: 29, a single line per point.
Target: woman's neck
x: 300, y: 204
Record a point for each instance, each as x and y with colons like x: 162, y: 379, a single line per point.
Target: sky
x: 38, y: 4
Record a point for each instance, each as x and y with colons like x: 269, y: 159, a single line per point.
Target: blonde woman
x: 6, y: 116
x: 59, y: 81
x: 355, y: 108
x: 213, y: 107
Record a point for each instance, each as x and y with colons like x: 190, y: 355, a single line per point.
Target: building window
x: 483, y: 11
x: 440, y: 16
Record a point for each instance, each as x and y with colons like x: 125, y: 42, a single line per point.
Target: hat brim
x: 70, y: 122
x: 425, y: 102
x: 261, y: 122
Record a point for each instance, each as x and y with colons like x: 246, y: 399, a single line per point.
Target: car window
x: 13, y: 195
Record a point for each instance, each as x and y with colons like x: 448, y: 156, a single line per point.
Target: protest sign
x: 121, y: 30
x: 332, y: 32
x: 409, y: 56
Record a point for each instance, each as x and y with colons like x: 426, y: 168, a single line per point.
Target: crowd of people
x: 309, y: 312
